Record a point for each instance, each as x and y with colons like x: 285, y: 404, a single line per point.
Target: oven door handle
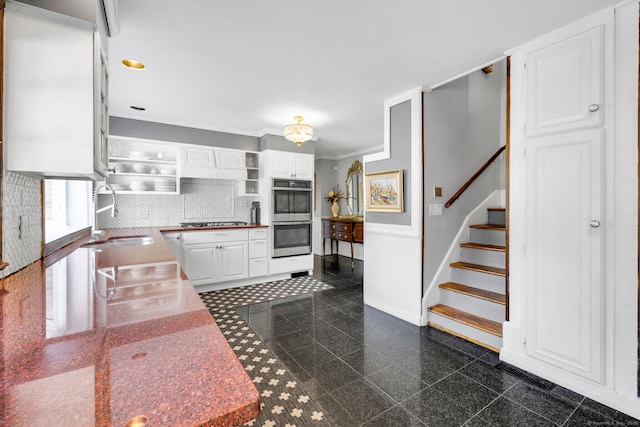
x: 292, y: 222
x: 291, y: 189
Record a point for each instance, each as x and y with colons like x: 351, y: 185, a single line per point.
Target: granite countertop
x: 70, y: 356
x: 177, y: 228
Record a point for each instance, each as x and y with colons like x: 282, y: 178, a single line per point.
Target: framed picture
x: 384, y: 191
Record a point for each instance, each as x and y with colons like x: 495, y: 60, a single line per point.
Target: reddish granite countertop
x: 68, y: 356
x: 177, y: 228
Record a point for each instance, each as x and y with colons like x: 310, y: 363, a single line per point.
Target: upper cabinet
x: 283, y: 164
x: 142, y: 166
x: 200, y: 161
x: 55, y: 98
x: 229, y: 159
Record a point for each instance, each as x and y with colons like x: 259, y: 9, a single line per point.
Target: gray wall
x: 326, y: 179
x: 463, y: 127
x: 277, y: 142
x: 186, y: 135
x: 400, y: 121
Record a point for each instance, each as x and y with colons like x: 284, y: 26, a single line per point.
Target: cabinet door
x: 302, y: 166
x: 229, y: 159
x: 564, y: 251
x: 233, y: 261
x: 173, y: 240
x: 280, y: 164
x: 564, y: 85
x: 199, y: 263
x: 199, y: 157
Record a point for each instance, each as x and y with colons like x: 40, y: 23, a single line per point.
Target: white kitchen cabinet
x: 55, y: 95
x: 196, y: 156
x: 258, y: 252
x: 142, y: 166
x: 283, y: 164
x: 251, y: 185
x: 174, y: 241
x: 229, y: 159
x: 200, y: 162
x: 213, y: 256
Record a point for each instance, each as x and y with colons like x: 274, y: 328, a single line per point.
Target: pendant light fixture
x: 298, y: 132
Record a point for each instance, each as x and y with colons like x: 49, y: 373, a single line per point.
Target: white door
x: 564, y: 250
x: 564, y: 85
x: 562, y: 80
x: 233, y: 261
x: 199, y: 262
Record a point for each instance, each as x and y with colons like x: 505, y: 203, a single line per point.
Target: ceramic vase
x: 335, y: 209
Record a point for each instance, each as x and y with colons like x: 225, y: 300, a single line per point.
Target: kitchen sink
x: 119, y: 241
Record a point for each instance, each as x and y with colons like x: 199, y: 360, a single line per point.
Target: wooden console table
x: 342, y: 229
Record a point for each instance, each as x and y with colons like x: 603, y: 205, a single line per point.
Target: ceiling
x: 249, y: 66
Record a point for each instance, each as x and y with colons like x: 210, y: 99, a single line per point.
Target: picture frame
x: 384, y: 191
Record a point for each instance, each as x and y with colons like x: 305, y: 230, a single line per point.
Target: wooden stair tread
x: 483, y: 246
x: 486, y: 325
x: 488, y: 226
x: 475, y: 292
x: 496, y: 209
x: 480, y: 268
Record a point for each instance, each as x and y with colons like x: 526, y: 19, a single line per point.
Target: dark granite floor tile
x: 336, y: 413
x: 335, y: 374
x: 304, y: 322
x: 565, y: 393
x: 609, y: 412
x: 554, y: 408
x: 287, y: 309
x: 282, y: 327
x: 477, y: 422
x: 503, y: 412
x: 396, y: 416
x: 285, y: 358
x: 435, y: 409
x: 355, y: 298
x: 467, y: 347
x: 496, y: 379
x: 435, y: 334
x: 586, y: 417
x: 466, y: 391
x: 446, y: 355
x: 397, y: 383
x: 424, y: 367
x: 341, y: 344
x: 490, y: 358
x: 293, y: 340
x: 387, y: 323
x: 311, y: 356
x: 362, y: 400
x: 310, y: 385
x: 366, y: 361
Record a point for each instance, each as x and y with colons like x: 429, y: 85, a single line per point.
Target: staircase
x: 472, y: 304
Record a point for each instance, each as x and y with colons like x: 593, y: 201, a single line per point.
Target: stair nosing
x: 496, y: 271
x: 496, y: 209
x: 469, y: 316
x: 482, y: 294
x: 483, y: 246
x: 489, y: 226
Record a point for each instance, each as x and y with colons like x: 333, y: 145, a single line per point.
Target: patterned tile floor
x: 324, y: 358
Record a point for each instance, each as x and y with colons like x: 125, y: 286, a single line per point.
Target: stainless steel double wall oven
x: 292, y: 216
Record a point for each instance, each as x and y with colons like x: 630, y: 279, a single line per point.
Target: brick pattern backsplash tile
x: 22, y: 197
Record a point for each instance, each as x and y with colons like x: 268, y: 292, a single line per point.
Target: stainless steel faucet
x: 95, y: 231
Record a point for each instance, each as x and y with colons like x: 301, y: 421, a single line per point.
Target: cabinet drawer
x: 358, y: 233
x: 338, y: 235
x: 258, y: 248
x: 341, y: 227
x: 258, y: 267
x: 258, y: 233
x: 291, y: 264
x: 214, y: 236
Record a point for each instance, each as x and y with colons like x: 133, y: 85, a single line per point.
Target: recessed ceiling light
x: 133, y: 64
x: 135, y: 107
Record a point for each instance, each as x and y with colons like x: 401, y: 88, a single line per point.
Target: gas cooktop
x: 212, y: 224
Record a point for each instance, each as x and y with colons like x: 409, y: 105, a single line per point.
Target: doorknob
x: 594, y: 223
x: 594, y: 107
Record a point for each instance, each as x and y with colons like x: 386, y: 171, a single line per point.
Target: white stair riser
x: 488, y: 237
x: 488, y: 282
x: 483, y: 257
x: 467, y: 331
x: 479, y: 307
x: 496, y: 217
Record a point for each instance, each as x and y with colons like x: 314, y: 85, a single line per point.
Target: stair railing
x: 474, y: 177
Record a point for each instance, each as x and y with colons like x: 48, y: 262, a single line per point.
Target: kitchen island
x: 114, y: 336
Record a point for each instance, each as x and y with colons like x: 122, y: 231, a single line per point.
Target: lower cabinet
x: 215, y: 256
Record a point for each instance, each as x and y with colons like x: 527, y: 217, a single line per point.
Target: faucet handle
x: 96, y: 233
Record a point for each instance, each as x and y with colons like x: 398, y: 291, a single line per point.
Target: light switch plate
x: 435, y: 209
x: 142, y: 214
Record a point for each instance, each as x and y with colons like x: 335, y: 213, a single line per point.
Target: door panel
x: 233, y: 261
x: 563, y: 81
x: 564, y: 252
x: 198, y: 263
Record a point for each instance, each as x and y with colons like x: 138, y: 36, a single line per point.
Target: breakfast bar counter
x: 115, y: 336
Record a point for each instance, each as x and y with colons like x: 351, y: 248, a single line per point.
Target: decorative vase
x: 335, y: 209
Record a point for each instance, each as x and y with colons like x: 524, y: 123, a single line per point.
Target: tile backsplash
x: 199, y: 200
x: 21, y: 221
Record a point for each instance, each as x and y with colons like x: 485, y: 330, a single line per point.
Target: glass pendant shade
x: 298, y: 132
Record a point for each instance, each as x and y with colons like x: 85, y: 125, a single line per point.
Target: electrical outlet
x: 23, y: 226
x: 142, y: 214
x: 437, y: 191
